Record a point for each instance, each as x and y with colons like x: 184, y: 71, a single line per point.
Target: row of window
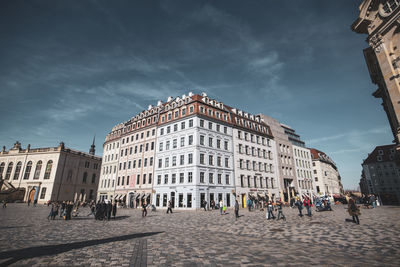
x: 301, y: 153
x: 110, y: 157
x: 146, y: 179
x: 112, y: 146
x: 254, y: 138
x: 303, y: 174
x: 174, y: 161
x: 305, y: 184
x: 212, y: 144
x: 302, y: 163
x: 175, y: 127
x: 128, y: 165
x: 136, y: 137
x: 175, y: 143
x: 181, y: 178
x: 257, y: 182
x: 255, y: 166
x: 211, y: 112
x: 27, y: 172
x: 255, y: 152
x: 147, y: 147
x: 284, y: 148
x: 251, y: 125
x: 286, y: 159
x: 177, y: 113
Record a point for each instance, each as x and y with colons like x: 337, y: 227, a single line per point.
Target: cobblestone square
x: 199, y: 238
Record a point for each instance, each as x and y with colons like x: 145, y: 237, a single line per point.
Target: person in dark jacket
x: 98, y: 208
x: 144, y: 209
x: 299, y: 205
x: 114, y: 209
x: 270, y: 209
x: 108, y: 210
x: 353, y: 210
x: 69, y: 208
x: 307, y: 204
x: 236, y: 209
x: 279, y: 209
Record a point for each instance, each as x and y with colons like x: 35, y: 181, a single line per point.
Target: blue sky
x: 72, y: 69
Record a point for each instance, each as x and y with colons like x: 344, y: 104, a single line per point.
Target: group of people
x: 103, y: 210
x: 64, y: 208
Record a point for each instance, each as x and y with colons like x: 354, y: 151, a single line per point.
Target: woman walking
x: 353, y: 210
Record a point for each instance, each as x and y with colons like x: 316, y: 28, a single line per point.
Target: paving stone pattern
x: 199, y: 238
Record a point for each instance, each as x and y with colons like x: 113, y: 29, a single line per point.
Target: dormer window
x: 379, y: 158
x: 380, y: 152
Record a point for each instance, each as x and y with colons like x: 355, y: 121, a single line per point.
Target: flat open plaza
x: 199, y: 238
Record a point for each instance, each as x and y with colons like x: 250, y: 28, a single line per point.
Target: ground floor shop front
x: 193, y: 197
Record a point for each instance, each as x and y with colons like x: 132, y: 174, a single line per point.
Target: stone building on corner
x: 380, y: 21
x: 51, y: 173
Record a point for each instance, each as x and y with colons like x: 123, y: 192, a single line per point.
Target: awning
x: 122, y: 197
x: 139, y: 196
x: 116, y: 197
x: 147, y: 195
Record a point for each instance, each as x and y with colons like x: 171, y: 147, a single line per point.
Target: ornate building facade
x: 381, y: 175
x: 50, y: 174
x: 380, y: 21
x: 326, y: 175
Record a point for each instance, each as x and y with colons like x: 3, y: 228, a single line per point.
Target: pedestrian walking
x: 92, y: 209
x: 353, y: 210
x: 270, y: 209
x: 205, y: 205
x: 169, y: 207
x: 236, y: 209
x: 212, y: 204
x: 279, y: 209
x: 62, y: 210
x: 221, y: 206
x: 4, y: 204
x: 249, y: 203
x: 373, y: 201
x: 144, y: 209
x: 114, y: 209
x: 55, y: 210
x: 108, y: 209
x: 299, y: 206
x: 307, y: 204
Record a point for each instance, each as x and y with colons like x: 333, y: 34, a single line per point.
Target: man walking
x: 169, y: 207
x: 270, y: 209
x: 236, y: 209
x: 221, y: 205
x: 280, y: 213
x: 299, y: 205
x: 307, y: 204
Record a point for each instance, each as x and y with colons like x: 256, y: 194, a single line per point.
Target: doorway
x: 173, y: 199
x: 32, y: 195
x: 202, y: 199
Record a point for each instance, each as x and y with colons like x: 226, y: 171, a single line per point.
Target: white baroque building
x: 194, y: 159
x: 326, y: 175
x: 255, y: 158
x: 52, y: 173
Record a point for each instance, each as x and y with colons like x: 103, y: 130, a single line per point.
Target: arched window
x: 84, y: 177
x: 48, y: 169
x: 2, y: 169
x: 28, y: 170
x: 17, y: 170
x: 37, y: 170
x: 93, y: 178
x: 9, y: 170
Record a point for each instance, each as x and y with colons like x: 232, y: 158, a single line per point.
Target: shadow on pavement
x: 40, y: 251
x: 11, y: 227
x: 117, y: 218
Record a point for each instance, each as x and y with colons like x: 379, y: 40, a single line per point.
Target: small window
x: 43, y: 193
